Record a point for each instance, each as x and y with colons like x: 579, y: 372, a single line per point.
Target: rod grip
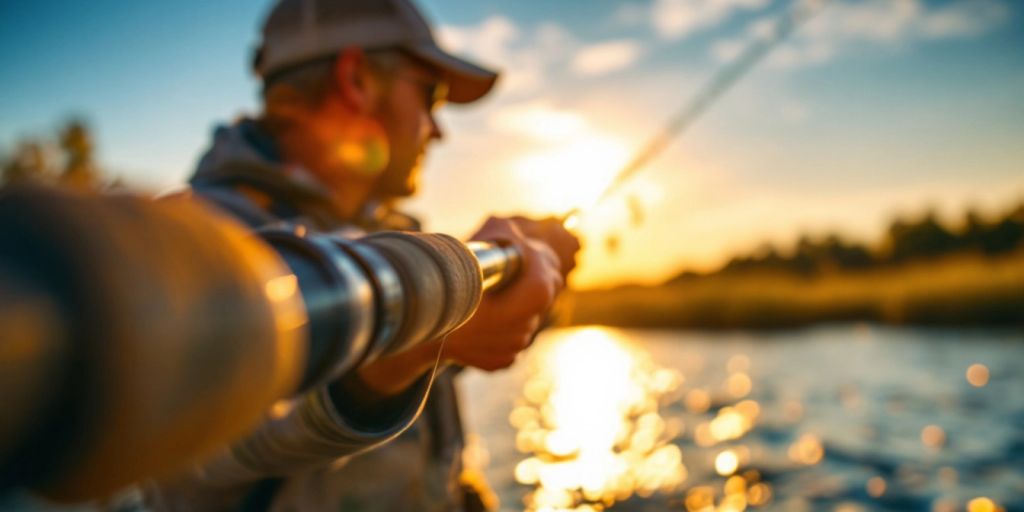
x: 500, y: 263
x: 441, y: 278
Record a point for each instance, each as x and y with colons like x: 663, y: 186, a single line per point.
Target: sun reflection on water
x: 589, y: 420
x: 590, y: 423
x: 600, y: 423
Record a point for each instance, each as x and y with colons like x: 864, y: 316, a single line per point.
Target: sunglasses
x: 433, y: 92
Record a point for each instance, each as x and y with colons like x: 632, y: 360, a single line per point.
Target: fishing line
x: 720, y: 83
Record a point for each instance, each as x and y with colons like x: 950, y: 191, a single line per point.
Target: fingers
x: 495, y: 228
x: 551, y: 231
x: 506, y: 321
x: 518, y: 233
x: 537, y: 286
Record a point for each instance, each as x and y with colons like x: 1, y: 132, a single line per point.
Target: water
x: 846, y: 418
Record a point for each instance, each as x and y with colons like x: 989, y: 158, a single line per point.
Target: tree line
x: 68, y: 158
x: 906, y: 240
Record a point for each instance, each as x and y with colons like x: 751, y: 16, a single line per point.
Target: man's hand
x: 506, y: 320
x: 551, y: 231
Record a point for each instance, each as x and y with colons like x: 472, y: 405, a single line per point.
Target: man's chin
x: 410, y: 186
x: 397, y: 191
x: 409, y: 191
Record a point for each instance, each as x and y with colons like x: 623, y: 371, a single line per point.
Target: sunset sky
x: 874, y: 108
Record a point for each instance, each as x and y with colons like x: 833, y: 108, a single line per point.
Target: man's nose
x: 436, y: 133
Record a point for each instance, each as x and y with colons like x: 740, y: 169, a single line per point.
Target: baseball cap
x: 300, y: 31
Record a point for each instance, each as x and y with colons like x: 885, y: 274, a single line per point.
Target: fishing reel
x: 138, y: 335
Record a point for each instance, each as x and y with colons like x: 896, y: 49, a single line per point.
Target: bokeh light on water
x: 590, y: 426
x: 836, y: 419
x: 977, y: 375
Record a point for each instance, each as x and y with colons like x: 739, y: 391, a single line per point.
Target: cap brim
x: 467, y: 82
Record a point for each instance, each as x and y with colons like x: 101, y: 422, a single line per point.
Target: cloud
x: 965, y: 19
x: 488, y: 41
x: 847, y: 23
x: 523, y: 56
x: 631, y: 14
x: 606, y: 57
x: 873, y: 20
x: 676, y: 19
x: 727, y: 50
x: 539, y: 121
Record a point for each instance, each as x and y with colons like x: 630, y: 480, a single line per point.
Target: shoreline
x: 957, y: 291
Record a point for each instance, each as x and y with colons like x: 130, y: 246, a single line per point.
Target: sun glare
x: 571, y: 175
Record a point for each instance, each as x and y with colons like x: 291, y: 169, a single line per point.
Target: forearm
x: 313, y: 430
x: 350, y: 415
x: 392, y: 375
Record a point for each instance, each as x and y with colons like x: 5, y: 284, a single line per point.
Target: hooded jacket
x: 297, y: 458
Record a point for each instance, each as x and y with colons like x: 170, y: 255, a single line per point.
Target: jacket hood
x: 243, y: 153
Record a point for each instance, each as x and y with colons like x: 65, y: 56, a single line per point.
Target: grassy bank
x: 957, y: 290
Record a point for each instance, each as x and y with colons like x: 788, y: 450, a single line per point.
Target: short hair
x: 311, y: 82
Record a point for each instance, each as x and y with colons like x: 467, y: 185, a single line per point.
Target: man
x: 350, y: 91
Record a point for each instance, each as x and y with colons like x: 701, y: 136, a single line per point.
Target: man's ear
x: 360, y: 89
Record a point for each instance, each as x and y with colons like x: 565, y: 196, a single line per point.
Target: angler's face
x: 407, y: 115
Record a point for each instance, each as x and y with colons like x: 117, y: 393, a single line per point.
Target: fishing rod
x: 714, y: 89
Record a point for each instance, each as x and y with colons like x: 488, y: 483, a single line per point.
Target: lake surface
x: 845, y: 418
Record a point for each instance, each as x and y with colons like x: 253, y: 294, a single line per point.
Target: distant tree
x: 827, y: 254
x: 807, y: 257
x: 735, y: 264
x: 842, y: 255
x: 76, y: 142
x: 765, y: 257
x: 924, y: 239
x: 905, y: 241
x: 1003, y: 234
x: 69, y: 160
x: 974, y: 230
x: 30, y: 161
x: 1017, y: 213
x: 1006, y: 234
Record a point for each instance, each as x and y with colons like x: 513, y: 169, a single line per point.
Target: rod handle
x: 499, y: 261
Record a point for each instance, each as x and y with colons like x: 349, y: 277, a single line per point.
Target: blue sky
x: 875, y: 107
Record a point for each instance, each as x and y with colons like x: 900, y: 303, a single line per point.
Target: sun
x: 572, y: 174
